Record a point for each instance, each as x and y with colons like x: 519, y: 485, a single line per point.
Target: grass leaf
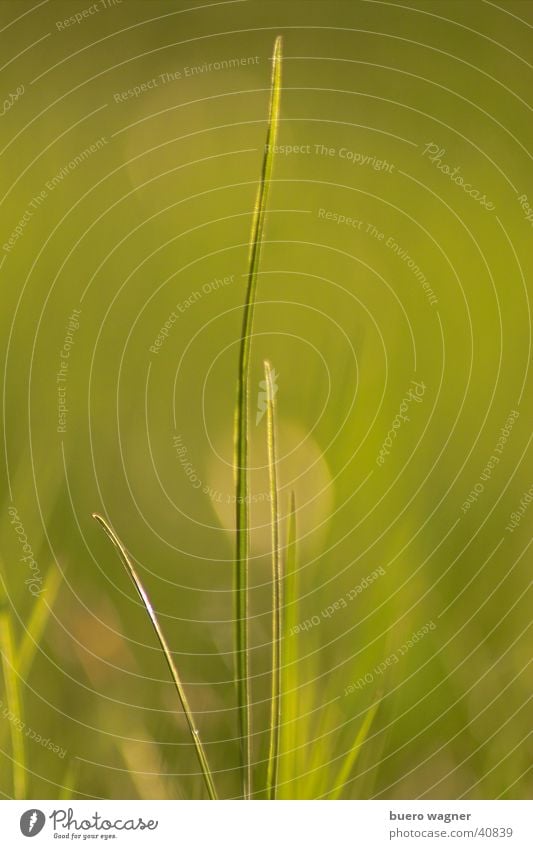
x: 14, y: 704
x: 68, y: 784
x: 206, y: 772
x: 241, y: 434
x: 346, y: 772
x: 37, y: 623
x: 289, y: 654
x: 275, y: 715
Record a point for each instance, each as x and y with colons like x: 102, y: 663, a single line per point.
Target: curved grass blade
x: 275, y: 714
x: 206, y: 772
x: 241, y: 433
x: 14, y: 704
x: 68, y: 787
x: 38, y: 620
x: 351, y: 759
x: 289, y: 651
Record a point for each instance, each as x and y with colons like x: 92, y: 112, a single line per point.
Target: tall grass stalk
x: 206, y: 772
x: 275, y: 709
x: 241, y: 434
x: 14, y: 704
x: 347, y: 768
x: 289, y: 656
x: 37, y: 623
x: 68, y: 785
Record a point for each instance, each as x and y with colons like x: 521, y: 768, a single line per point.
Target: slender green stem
x: 275, y: 714
x: 14, y: 705
x: 241, y: 434
x: 68, y: 786
x: 38, y: 621
x: 206, y: 772
x: 289, y: 659
x: 352, y: 757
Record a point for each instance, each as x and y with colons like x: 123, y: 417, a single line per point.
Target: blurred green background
x: 141, y: 227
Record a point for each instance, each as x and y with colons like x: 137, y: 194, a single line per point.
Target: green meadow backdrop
x: 393, y: 304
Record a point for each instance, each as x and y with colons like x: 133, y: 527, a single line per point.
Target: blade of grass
x: 68, y: 787
x: 37, y: 623
x: 289, y: 652
x: 14, y: 704
x: 241, y: 434
x: 204, y: 764
x: 351, y: 758
x: 275, y: 710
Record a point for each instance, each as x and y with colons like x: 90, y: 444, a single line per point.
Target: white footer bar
x: 268, y: 825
